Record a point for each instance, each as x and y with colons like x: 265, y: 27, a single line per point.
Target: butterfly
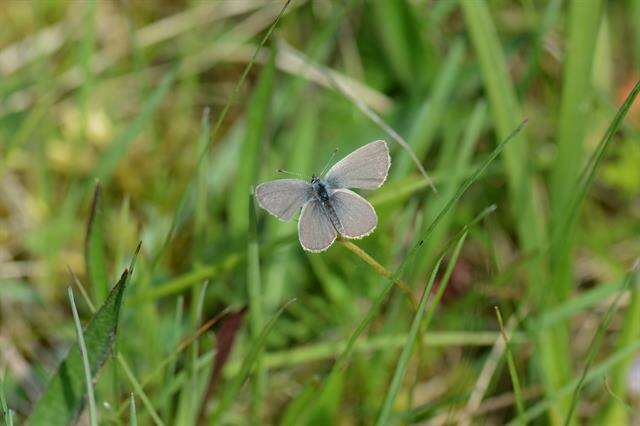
x: 329, y: 207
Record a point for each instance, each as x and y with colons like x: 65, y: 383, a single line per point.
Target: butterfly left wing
x: 283, y: 197
x: 356, y: 216
x: 366, y: 168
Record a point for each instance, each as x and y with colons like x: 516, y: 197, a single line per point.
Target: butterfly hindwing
x: 315, y: 230
x: 356, y: 215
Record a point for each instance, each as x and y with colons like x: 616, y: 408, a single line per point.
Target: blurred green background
x: 179, y: 108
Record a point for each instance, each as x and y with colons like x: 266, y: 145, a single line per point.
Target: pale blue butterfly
x: 330, y: 209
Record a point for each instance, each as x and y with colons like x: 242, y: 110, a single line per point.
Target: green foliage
x: 63, y: 398
x: 257, y: 116
x: 180, y: 111
x: 94, y: 250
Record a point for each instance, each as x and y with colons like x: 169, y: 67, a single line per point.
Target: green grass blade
x: 254, y: 290
x: 246, y: 175
x: 85, y: 57
x: 444, y: 282
x: 214, y: 132
x: 7, y: 413
x: 455, y: 170
x: 584, y: 21
x: 119, y: 146
x: 429, y: 117
x: 505, y: 111
x: 588, y: 173
x: 513, y: 371
x: 597, y: 372
x: 575, y: 305
x: 407, y: 350
x: 555, y: 362
x: 402, y: 44
x: 189, y: 399
x: 133, y: 416
x: 94, y: 250
x: 420, y: 327
x: 200, y: 214
x: 93, y: 412
x: 616, y: 413
x: 137, y: 387
x: 635, y: 17
x: 594, y: 347
x: 62, y: 400
x: 471, y: 179
x: 248, y: 362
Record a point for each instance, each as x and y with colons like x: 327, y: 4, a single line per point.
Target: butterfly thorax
x: 320, y: 189
x: 321, y: 193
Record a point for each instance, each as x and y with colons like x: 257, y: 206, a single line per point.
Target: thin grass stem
x: 93, y: 411
x: 513, y: 372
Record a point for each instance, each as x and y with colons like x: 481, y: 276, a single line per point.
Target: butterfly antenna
x: 333, y: 154
x: 292, y: 173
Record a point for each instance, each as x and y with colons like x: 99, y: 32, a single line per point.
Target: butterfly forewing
x: 283, y: 197
x: 315, y: 230
x: 365, y: 168
x: 357, y: 217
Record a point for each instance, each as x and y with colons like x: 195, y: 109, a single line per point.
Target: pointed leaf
x: 63, y: 398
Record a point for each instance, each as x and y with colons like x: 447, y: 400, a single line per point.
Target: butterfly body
x: 329, y: 208
x: 321, y: 192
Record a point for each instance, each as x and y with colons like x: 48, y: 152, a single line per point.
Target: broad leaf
x: 63, y: 398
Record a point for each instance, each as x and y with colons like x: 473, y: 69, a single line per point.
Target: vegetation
x: 141, y: 284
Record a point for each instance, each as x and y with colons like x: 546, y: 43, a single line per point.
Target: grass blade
x: 62, y: 400
x: 584, y: 21
x: 428, y: 119
x: 505, y: 108
x: 246, y: 175
x: 588, y: 173
x: 442, y: 286
x: 616, y: 412
x: 254, y: 290
x: 7, y: 413
x: 454, y: 169
x: 200, y: 214
x: 401, y: 46
x: 133, y: 417
x: 118, y: 147
x: 138, y: 390
x: 94, y: 253
x: 513, y: 371
x: 471, y: 179
x: 403, y: 361
x: 245, y: 369
x: 596, y: 372
x: 594, y: 347
x: 93, y: 412
x: 216, y: 129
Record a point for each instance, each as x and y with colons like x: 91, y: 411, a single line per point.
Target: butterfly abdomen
x: 322, y: 194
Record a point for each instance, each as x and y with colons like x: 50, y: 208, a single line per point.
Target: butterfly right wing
x: 283, y: 197
x: 366, y: 168
x: 356, y: 215
x: 315, y: 230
